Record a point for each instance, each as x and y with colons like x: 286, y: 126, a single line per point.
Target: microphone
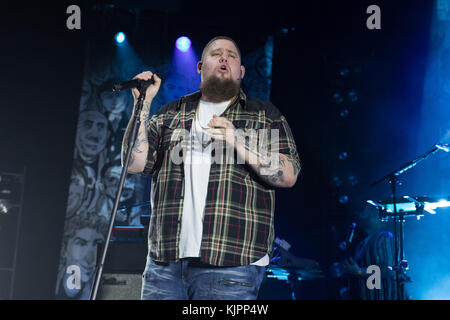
x: 135, y: 83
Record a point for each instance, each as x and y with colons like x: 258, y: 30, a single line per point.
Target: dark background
x: 42, y: 70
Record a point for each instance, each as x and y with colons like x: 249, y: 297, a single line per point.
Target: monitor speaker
x: 120, y: 286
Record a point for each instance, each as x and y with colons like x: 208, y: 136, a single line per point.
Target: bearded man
x: 212, y: 226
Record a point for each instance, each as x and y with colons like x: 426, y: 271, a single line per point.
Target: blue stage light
x: 120, y: 37
x: 343, y: 199
x: 183, y: 44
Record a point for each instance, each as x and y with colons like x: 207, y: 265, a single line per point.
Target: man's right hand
x: 152, y: 89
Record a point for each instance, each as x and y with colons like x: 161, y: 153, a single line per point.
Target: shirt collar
x: 193, y: 98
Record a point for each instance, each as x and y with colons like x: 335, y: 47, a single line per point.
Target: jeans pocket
x: 233, y: 282
x: 243, y: 276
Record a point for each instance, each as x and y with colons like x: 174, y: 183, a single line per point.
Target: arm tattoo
x: 141, y: 137
x: 275, y: 175
x: 145, y: 111
x: 139, y: 141
x: 271, y: 175
x: 294, y: 166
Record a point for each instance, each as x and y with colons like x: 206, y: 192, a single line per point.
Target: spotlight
x: 344, y: 72
x: 353, y: 180
x: 285, y: 30
x: 352, y: 95
x: 337, y: 98
x: 343, y: 155
x: 337, y: 181
x: 343, y: 199
x: 120, y: 37
x: 430, y: 207
x: 344, y: 113
x: 183, y: 44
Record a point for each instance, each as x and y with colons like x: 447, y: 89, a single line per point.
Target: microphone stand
x: 399, y: 219
x: 142, y: 87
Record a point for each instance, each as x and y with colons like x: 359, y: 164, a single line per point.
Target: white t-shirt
x: 197, y: 166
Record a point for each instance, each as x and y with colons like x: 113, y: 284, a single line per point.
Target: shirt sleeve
x: 153, y: 137
x: 283, y: 141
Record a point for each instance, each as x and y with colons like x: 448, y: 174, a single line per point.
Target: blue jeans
x: 188, y: 279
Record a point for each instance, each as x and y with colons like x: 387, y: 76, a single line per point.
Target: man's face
x: 82, y: 251
x: 222, y: 61
x: 114, y: 102
x: 92, y: 133
x: 111, y: 182
x: 76, y: 193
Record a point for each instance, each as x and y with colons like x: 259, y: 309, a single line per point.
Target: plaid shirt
x: 238, y: 224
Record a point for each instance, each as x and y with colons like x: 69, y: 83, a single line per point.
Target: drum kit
x: 397, y: 209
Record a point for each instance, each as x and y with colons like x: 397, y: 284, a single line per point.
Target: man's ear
x: 199, y: 66
x: 242, y: 72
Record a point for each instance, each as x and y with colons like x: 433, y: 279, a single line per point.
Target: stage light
x: 183, y: 44
x: 343, y: 155
x: 337, y: 97
x: 353, y: 180
x: 352, y: 95
x: 344, y: 113
x: 284, y: 31
x: 343, y: 199
x: 344, y: 72
x: 443, y: 204
x: 337, y: 181
x: 120, y: 37
x: 430, y: 207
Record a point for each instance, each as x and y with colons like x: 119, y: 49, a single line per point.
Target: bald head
x: 208, y: 45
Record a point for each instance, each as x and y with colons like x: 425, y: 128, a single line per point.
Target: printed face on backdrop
x: 82, y: 251
x: 77, y: 191
x: 92, y: 134
x: 86, y: 94
x: 175, y: 86
x: 113, y: 101
x: 111, y: 182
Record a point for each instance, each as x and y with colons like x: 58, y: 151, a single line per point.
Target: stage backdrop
x: 103, y: 116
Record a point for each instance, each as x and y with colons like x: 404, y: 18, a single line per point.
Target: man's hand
x: 152, y: 89
x: 221, y: 129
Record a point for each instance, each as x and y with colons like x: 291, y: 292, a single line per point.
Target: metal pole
x: 134, y: 131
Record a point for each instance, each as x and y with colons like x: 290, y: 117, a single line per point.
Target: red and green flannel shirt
x: 238, y: 224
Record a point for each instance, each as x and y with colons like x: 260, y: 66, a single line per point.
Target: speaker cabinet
x: 120, y: 286
x: 124, y: 265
